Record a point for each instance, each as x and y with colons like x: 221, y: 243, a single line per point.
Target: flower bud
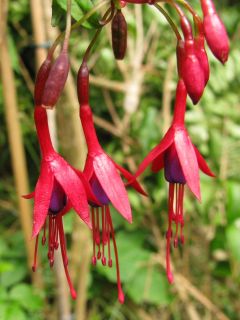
x: 190, y: 69
x: 56, y: 80
x: 41, y: 79
x: 215, y: 31
x: 202, y: 56
x: 119, y: 35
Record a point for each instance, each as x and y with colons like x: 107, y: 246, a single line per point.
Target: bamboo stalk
x: 15, y: 140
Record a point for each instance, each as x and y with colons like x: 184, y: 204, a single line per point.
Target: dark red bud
x: 202, y: 56
x: 83, y: 84
x: 216, y: 36
x: 119, y: 35
x: 56, y: 80
x: 41, y: 79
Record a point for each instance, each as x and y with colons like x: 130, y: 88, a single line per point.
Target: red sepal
x: 188, y: 161
x: 73, y: 187
x: 202, y: 163
x: 112, y: 184
x: 42, y: 197
x: 157, y: 151
x: 129, y: 177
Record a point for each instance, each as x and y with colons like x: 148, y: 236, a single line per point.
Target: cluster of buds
x: 90, y: 193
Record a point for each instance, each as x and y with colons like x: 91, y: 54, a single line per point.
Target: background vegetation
x: 132, y: 102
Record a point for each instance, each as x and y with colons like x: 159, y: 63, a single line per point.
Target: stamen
x: 169, y: 232
x: 120, y: 291
x: 94, y: 259
x: 34, y: 266
x: 98, y: 235
x: 108, y: 242
x: 181, y: 214
x: 62, y: 240
x: 177, y: 202
x: 44, y: 233
x: 64, y: 257
x: 103, y: 237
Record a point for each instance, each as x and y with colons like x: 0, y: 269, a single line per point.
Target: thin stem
x: 197, y: 19
x: 106, y: 18
x: 77, y: 24
x: 68, y: 25
x: 170, y: 21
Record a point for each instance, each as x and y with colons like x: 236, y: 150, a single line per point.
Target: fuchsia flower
x: 104, y: 177
x: 215, y: 31
x: 58, y: 188
x: 181, y: 161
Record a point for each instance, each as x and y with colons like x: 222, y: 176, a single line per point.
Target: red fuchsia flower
x: 58, y: 188
x: 107, y: 185
x: 215, y: 31
x: 181, y: 161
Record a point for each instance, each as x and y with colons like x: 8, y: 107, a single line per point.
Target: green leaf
x: 233, y: 239
x: 13, y: 276
x: 131, y: 256
x: 78, y: 10
x: 149, y: 285
x: 233, y: 192
x: 14, y: 312
x: 26, y: 298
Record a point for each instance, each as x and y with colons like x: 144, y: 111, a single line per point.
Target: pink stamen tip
x: 169, y: 234
x: 97, y: 239
x: 103, y: 261
x: 43, y: 240
x: 94, y: 261
x: 73, y: 294
x: 99, y: 255
x: 110, y: 263
x: 120, y: 295
x: 175, y: 243
x: 170, y: 277
x: 182, y: 239
x: 51, y: 263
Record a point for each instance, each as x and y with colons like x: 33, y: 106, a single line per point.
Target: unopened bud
x: 119, y: 35
x: 56, y: 80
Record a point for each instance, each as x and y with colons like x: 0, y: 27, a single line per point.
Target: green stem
x: 170, y: 21
x: 76, y: 25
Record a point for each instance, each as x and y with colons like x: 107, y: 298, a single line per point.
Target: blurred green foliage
x: 212, y: 252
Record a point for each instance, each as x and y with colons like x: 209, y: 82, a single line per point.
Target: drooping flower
x: 57, y: 190
x: 104, y: 177
x: 215, y: 31
x: 181, y: 162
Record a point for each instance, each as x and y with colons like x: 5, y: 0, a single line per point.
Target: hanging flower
x: 104, y: 177
x: 181, y: 161
x: 57, y: 190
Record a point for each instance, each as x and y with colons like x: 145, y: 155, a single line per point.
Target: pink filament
x: 64, y: 256
x: 175, y: 214
x: 105, y: 240
x: 34, y: 266
x: 120, y: 292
